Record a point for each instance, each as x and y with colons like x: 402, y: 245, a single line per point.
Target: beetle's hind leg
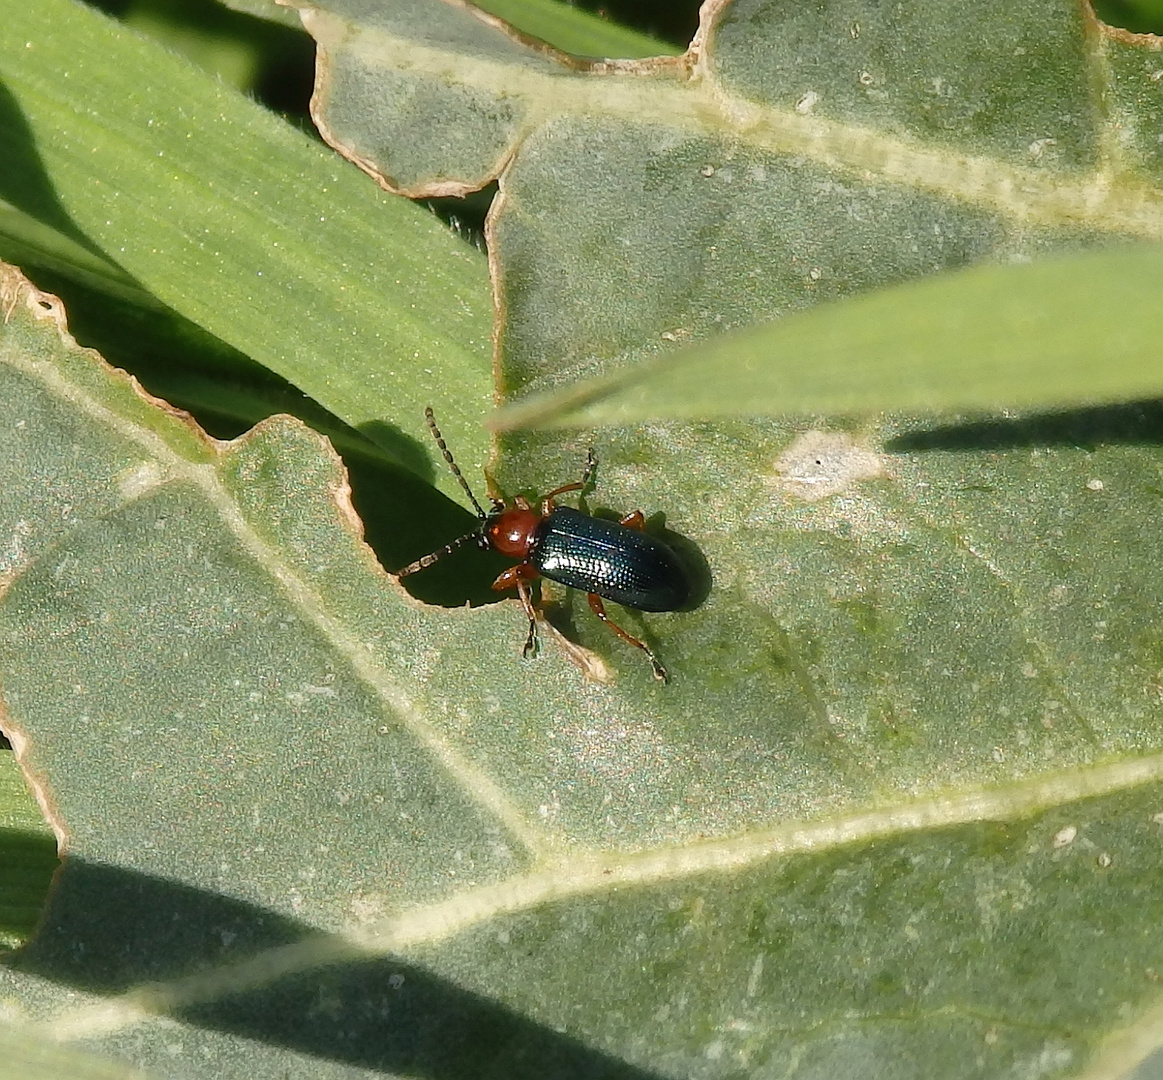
x: 599, y: 609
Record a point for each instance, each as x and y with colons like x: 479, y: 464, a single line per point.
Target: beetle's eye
x: 483, y: 541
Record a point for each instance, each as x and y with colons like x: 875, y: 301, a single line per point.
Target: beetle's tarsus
x: 587, y: 481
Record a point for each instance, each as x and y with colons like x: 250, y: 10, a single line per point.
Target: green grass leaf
x: 574, y: 30
x: 1059, y: 332
x: 244, y: 226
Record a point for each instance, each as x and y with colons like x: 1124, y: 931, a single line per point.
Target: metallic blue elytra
x: 615, y: 561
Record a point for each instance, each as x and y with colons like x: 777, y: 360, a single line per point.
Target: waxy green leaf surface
x: 898, y: 812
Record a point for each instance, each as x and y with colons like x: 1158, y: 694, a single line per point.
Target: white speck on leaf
x: 15, y: 556
x: 755, y: 976
x: 807, y: 102
x: 1064, y: 837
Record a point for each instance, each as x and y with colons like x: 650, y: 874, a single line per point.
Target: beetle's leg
x: 547, y: 501
x: 530, y: 648
x: 634, y: 520
x: 591, y: 468
x: 518, y: 577
x: 599, y: 609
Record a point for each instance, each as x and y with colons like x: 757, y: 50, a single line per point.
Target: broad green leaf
x: 243, y: 225
x: 663, y: 202
x: 911, y: 603
x: 1050, y: 333
x: 898, y: 811
x: 286, y: 788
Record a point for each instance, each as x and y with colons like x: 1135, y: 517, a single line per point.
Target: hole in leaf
x: 1138, y: 16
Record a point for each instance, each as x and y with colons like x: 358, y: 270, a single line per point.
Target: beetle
x: 607, y: 560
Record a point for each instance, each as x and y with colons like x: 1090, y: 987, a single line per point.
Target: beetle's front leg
x: 519, y: 577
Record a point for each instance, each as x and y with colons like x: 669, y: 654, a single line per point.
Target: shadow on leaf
x: 24, y: 181
x: 1136, y: 422
x: 109, y: 931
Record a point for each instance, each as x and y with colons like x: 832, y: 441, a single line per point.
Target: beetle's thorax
x: 512, y: 530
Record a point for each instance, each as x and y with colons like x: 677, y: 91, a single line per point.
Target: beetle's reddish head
x: 511, y: 531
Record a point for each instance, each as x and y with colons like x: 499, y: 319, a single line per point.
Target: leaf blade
x: 1045, y: 335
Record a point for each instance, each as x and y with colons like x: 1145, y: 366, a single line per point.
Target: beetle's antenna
x: 463, y: 483
x: 476, y: 534
x: 428, y: 560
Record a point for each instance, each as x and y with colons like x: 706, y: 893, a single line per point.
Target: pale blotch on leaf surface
x: 823, y: 463
x: 137, y: 481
